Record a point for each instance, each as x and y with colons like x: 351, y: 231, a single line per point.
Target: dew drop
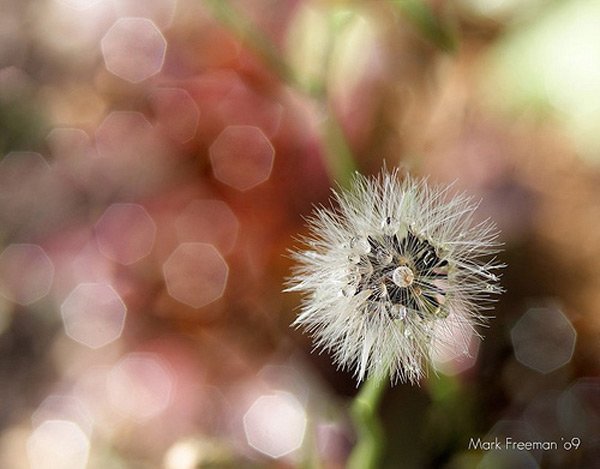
x: 364, y: 295
x: 389, y: 226
x: 354, y: 277
x: 360, y: 245
x: 384, y: 257
x: 354, y: 258
x: 399, y: 312
x: 403, y: 276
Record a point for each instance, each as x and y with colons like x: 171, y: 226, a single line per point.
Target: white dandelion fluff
x: 392, y: 273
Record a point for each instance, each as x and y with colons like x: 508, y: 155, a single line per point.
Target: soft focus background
x: 157, y: 159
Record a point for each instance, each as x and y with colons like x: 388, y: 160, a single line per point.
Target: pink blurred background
x: 158, y: 158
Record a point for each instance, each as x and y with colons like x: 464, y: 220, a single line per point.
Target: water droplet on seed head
x: 403, y: 276
x: 398, y: 312
x: 354, y: 258
x: 384, y: 257
x: 389, y: 225
x: 360, y: 245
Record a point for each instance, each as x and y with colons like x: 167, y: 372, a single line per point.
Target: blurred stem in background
x: 339, y: 159
x: 434, y: 28
x: 253, y: 37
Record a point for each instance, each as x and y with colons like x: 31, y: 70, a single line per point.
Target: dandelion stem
x: 369, y: 449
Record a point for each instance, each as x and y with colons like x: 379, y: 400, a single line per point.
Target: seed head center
x: 403, y: 276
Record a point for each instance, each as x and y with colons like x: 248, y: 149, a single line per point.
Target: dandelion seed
x: 390, y: 271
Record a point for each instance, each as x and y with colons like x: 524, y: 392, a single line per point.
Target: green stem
x: 368, y: 451
x: 338, y: 154
x: 431, y: 26
x: 243, y: 27
x: 339, y: 158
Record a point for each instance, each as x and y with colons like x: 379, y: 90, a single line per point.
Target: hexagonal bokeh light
x: 125, y: 233
x: 73, y: 154
x: 176, y: 112
x: 134, y: 49
x: 58, y: 444
x: 17, y: 168
x: 209, y: 221
x: 243, y: 106
x: 26, y: 273
x: 579, y: 410
x: 120, y: 134
x: 63, y: 407
x: 68, y: 143
x: 275, y: 424
x: 93, y: 314
x: 543, y: 339
x: 140, y: 386
x: 196, y: 274
x: 132, y: 154
x: 242, y: 157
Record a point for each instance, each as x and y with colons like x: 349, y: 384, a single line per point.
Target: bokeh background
x: 158, y: 158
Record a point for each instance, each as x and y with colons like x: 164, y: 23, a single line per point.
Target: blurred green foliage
x: 433, y: 27
x: 549, y: 67
x: 21, y: 124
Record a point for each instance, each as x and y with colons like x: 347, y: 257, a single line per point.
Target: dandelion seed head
x: 389, y: 270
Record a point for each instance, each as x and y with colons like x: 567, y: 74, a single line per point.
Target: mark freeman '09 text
x: 509, y: 443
